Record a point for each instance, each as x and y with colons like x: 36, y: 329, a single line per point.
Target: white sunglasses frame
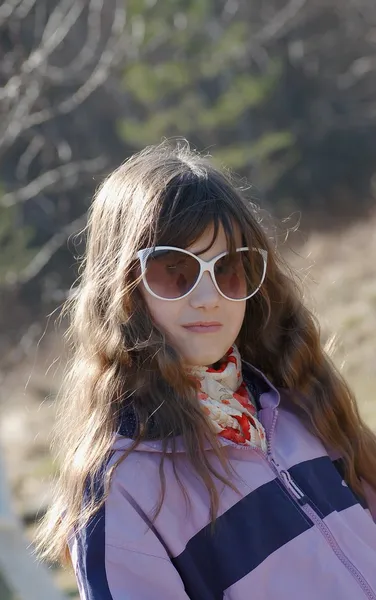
x: 205, y: 265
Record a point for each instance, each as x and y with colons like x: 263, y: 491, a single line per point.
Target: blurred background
x: 282, y: 92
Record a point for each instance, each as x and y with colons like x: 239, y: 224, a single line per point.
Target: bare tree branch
x: 7, y: 9
x: 32, y: 150
x: 54, y: 61
x: 64, y: 173
x: 54, y: 33
x: 45, y: 253
x: 23, y: 90
x: 24, y: 8
x: 88, y: 50
x: 281, y: 19
x: 15, y: 126
x: 109, y: 58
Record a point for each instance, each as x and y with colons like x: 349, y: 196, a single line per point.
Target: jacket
x: 294, y: 530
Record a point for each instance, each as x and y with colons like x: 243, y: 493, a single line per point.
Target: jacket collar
x: 265, y: 394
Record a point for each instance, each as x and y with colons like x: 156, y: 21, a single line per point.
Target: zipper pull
x: 273, y: 462
x: 293, y: 487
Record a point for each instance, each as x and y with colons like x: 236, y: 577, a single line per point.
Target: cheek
x: 237, y: 311
x: 163, y: 313
x: 236, y: 314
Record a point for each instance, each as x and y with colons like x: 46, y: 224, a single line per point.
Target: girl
x: 209, y: 449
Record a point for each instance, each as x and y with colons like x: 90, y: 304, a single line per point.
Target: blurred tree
x: 57, y: 54
x: 193, y: 75
x: 58, y: 63
x: 281, y: 91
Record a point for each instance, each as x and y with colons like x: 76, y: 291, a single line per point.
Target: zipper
x: 293, y: 488
x: 269, y: 439
x: 303, y: 503
x: 329, y: 537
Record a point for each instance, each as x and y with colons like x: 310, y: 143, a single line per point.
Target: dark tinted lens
x: 171, y: 273
x: 240, y: 274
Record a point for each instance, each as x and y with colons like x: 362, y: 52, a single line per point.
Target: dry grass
x: 339, y: 273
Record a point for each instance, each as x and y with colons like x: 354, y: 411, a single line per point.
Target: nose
x: 205, y: 295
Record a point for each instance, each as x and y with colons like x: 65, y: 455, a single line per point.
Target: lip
x: 203, y: 326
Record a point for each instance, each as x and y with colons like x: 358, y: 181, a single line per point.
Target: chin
x: 204, y: 360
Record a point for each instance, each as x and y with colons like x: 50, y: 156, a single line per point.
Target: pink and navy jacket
x: 296, y: 531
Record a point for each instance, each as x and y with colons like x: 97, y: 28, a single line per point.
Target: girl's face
x: 203, y: 304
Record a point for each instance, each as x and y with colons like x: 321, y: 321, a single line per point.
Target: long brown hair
x: 169, y: 195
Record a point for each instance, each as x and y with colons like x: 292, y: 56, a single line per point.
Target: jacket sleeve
x: 118, y: 556
x: 370, y: 497
x: 114, y: 573
x: 368, y: 492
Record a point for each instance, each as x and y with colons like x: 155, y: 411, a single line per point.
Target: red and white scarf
x: 228, y: 403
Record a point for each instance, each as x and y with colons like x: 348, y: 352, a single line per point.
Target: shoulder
x: 122, y: 520
x: 299, y: 445
x: 293, y: 439
x: 118, y: 553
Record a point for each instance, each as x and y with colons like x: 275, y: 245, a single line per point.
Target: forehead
x: 208, y: 242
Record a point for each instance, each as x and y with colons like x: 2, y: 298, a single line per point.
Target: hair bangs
x: 188, y: 208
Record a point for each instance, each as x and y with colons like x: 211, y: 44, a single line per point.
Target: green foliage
x: 245, y: 93
x: 227, y: 77
x: 234, y: 156
x: 14, y: 241
x: 147, y: 84
x: 191, y: 78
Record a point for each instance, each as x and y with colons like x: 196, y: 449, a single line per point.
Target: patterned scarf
x: 228, y: 403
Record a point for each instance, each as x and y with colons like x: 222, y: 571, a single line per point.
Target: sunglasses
x: 172, y: 273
